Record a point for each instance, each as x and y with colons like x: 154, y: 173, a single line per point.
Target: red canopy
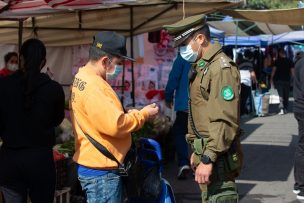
x: 71, y: 22
x: 28, y: 8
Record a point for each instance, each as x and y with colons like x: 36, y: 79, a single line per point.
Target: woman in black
x: 31, y: 105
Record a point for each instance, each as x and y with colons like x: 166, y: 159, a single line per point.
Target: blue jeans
x: 99, y: 189
x: 179, y: 131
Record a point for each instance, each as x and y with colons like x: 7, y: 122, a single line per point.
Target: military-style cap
x: 112, y: 43
x: 182, y: 29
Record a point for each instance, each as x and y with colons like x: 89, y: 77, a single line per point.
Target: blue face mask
x: 188, y: 54
x: 115, y: 73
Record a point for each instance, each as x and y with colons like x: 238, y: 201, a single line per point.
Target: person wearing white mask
x: 11, y: 64
x: 214, y: 117
x: 98, y: 112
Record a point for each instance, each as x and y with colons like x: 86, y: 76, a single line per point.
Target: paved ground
x: 267, y: 176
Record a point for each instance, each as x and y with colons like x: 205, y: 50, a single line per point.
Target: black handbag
x: 138, y: 182
x: 129, y: 161
x: 130, y: 158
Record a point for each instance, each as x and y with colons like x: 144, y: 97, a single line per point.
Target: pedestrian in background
x: 281, y: 74
x: 98, y: 112
x: 298, y: 109
x: 31, y: 106
x: 177, y: 88
x: 248, y: 78
x: 11, y: 64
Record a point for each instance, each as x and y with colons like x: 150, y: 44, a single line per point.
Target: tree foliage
x: 271, y: 4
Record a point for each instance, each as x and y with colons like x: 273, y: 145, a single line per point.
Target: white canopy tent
x: 74, y: 22
x: 290, y: 37
x: 62, y: 23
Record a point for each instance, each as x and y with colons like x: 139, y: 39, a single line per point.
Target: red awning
x: 70, y: 22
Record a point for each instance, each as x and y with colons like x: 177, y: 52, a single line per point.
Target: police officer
x: 213, y: 126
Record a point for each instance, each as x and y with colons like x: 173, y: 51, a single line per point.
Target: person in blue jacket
x: 177, y: 88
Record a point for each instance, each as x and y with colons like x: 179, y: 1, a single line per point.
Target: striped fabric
x: 74, y: 22
x: 248, y: 28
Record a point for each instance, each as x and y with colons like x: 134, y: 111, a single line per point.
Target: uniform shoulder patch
x: 224, y: 62
x: 227, y: 93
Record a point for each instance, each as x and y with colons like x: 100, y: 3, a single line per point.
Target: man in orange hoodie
x: 97, y: 111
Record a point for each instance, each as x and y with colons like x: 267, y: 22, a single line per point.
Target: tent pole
x: 20, y: 32
x: 236, y: 37
x: 236, y: 33
x: 123, y: 84
x: 132, y: 56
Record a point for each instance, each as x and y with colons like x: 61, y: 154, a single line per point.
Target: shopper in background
x: 177, y: 87
x: 97, y: 111
x: 280, y: 79
x: 247, y: 78
x: 298, y: 109
x: 11, y: 64
x: 31, y: 105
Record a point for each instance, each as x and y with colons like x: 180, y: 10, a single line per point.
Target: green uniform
x: 214, y: 96
x: 214, y: 104
x: 213, y: 127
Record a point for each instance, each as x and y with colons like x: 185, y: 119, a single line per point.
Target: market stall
x: 61, y: 24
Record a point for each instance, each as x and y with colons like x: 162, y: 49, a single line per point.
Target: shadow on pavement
x: 268, y: 162
x: 262, y: 162
x: 248, y: 129
x: 244, y: 188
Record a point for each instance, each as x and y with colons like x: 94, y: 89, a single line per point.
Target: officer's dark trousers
x: 27, y: 172
x: 245, y: 96
x: 179, y: 131
x: 299, y: 156
x: 283, y: 88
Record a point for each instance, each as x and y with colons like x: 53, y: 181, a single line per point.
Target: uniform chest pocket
x: 205, y: 86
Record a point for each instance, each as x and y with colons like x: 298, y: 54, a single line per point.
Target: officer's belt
x: 199, y: 145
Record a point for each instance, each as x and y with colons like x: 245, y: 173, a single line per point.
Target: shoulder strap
x: 191, y: 121
x: 102, y: 149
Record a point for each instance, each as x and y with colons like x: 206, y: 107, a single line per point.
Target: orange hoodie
x: 100, y: 114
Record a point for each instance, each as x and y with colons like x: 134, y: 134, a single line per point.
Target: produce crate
x: 61, y: 173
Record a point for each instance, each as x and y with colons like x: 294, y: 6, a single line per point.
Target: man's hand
x: 202, y: 173
x: 152, y: 110
x: 169, y: 104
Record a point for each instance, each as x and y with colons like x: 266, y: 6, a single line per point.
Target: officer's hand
x: 152, y: 110
x: 202, y: 173
x: 169, y: 105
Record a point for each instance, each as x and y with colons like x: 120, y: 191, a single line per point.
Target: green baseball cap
x: 183, y: 29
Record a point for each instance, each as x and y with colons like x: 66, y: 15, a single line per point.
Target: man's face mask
x: 188, y: 54
x: 12, y: 66
x: 113, y: 75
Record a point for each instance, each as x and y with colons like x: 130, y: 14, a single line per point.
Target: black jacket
x: 298, y: 87
x: 34, y: 127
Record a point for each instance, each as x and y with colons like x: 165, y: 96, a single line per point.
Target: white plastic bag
x: 274, y: 96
